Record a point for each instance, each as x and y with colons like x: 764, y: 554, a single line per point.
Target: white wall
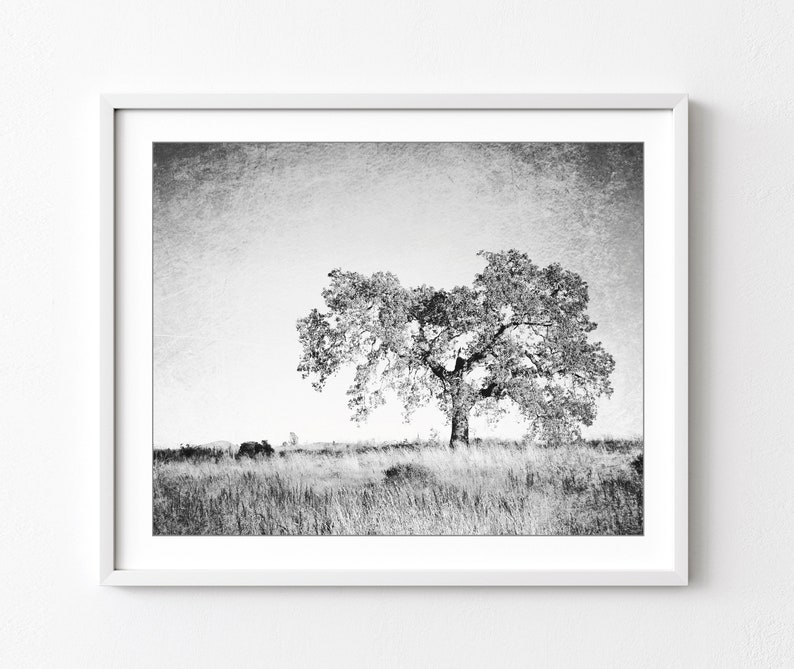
x: 734, y: 58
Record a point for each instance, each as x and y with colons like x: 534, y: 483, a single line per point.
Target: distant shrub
x: 611, y: 445
x: 409, y: 473
x: 556, y: 433
x: 188, y: 453
x: 252, y: 449
x: 638, y: 465
x: 368, y: 447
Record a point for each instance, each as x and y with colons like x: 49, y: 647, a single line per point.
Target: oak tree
x: 518, y: 335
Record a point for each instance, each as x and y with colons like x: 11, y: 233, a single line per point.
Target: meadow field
x: 489, y: 488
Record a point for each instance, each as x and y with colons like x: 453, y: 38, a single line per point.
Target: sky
x: 245, y: 234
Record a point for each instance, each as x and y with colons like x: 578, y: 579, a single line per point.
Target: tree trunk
x: 460, y: 427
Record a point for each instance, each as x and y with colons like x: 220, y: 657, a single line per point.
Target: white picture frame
x: 668, y: 565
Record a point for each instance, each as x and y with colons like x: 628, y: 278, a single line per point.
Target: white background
x: 735, y: 60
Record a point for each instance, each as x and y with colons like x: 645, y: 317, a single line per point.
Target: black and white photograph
x: 384, y: 338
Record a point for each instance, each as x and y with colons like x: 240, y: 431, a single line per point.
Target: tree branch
x: 482, y: 353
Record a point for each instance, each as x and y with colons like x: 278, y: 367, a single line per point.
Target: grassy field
x: 492, y: 487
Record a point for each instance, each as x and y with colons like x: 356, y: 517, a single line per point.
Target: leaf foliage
x: 518, y: 335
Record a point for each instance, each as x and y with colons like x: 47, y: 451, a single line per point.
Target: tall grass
x: 490, y: 488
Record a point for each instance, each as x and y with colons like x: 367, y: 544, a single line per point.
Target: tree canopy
x: 518, y: 335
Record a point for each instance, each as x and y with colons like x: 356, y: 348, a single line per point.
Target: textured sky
x: 246, y: 233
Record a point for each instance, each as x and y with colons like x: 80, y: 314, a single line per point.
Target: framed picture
x: 394, y: 340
